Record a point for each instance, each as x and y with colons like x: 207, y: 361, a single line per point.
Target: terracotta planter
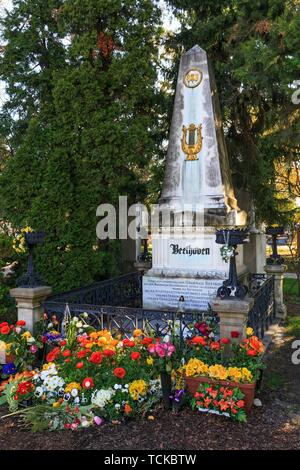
x: 248, y: 390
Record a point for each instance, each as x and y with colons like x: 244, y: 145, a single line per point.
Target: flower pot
x: 248, y: 390
x: 166, y: 387
x: 275, y: 230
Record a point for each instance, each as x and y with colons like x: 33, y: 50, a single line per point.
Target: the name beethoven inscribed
x: 188, y: 250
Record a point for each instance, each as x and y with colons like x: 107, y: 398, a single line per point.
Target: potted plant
x: 230, y: 363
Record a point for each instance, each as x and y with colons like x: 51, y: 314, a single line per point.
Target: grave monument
x: 197, y: 197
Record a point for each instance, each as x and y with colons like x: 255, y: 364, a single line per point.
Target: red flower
x: 82, y: 353
x: 21, y: 323
x: 119, y: 372
x: 88, y: 383
x: 68, y: 359
x: 198, y: 340
x: 215, y: 346
x: 225, y: 340
x: 24, y: 388
x: 146, y: 341
x: 235, y: 334
x: 251, y: 352
x: 5, y: 330
x: 66, y: 353
x: 52, y: 355
x: 63, y: 343
x: 240, y: 404
x: 96, y: 357
x: 202, y: 327
x: 4, y: 323
x: 108, y: 352
x: 79, y: 365
x: 135, y: 356
x: 129, y: 343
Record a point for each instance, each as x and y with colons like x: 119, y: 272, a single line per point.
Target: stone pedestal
x: 29, y: 302
x: 277, y: 271
x: 233, y: 314
x: 255, y: 252
x: 142, y: 266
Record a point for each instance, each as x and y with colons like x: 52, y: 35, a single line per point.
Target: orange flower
x: 127, y: 409
x: 198, y: 340
x: 215, y: 346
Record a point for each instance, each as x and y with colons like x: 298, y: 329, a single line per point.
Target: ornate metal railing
x: 263, y: 311
x: 125, y: 290
x: 125, y: 320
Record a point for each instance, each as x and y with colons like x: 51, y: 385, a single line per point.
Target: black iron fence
x: 263, y: 311
x: 125, y: 290
x: 116, y: 304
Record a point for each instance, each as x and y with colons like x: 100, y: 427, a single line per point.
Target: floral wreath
x: 19, y: 242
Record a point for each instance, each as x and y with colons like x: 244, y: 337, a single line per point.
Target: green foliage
x: 293, y: 326
x: 254, y: 47
x: 82, y: 122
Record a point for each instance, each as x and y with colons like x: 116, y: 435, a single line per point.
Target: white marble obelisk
x: 185, y: 258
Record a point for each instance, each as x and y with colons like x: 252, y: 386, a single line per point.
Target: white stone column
x: 233, y: 314
x: 29, y: 302
x: 277, y: 271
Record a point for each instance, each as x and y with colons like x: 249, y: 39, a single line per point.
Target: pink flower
x: 33, y: 348
x: 151, y: 348
x: 74, y: 426
x: 160, y: 350
x: 98, y: 420
x: 171, y: 349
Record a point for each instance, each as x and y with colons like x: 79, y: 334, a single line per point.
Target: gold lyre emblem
x: 191, y: 142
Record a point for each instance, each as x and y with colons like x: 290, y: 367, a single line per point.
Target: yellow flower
x: 46, y: 366
x: 247, y: 375
x: 218, y: 372
x: 26, y: 335
x: 56, y: 404
x: 249, y: 331
x: 71, y: 386
x: 138, y: 388
x: 8, y: 346
x: 195, y: 367
x: 89, y: 345
x: 137, y: 333
x: 234, y: 373
x: 149, y: 360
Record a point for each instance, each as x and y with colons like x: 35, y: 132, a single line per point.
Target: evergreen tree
x: 90, y: 126
x: 254, y: 47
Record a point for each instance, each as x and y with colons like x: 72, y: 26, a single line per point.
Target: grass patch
x: 290, y: 287
x: 293, y: 326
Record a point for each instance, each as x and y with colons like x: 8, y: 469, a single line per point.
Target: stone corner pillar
x: 29, y: 300
x: 277, y: 271
x: 233, y: 314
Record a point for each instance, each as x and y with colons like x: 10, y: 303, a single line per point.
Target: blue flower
x: 9, y: 368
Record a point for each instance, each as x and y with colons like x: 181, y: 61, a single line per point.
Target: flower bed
x: 86, y: 377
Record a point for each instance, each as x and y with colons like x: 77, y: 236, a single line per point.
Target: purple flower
x: 9, y: 368
x: 177, y: 395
